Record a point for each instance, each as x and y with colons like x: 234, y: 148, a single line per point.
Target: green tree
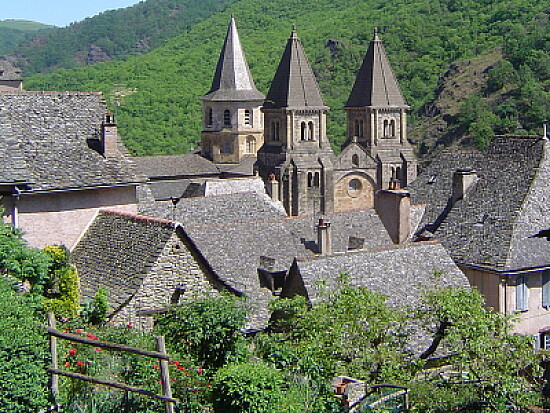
x: 208, y: 328
x: 23, y: 355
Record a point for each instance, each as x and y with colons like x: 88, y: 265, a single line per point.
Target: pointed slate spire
x: 232, y: 81
x: 375, y: 84
x: 294, y: 84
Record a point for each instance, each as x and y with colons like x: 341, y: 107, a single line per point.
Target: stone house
x: 10, y: 77
x: 144, y: 264
x: 486, y: 208
x: 63, y: 161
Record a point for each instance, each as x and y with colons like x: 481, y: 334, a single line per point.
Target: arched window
x: 311, y: 135
x: 317, y: 180
x: 386, y: 128
x: 392, y: 127
x: 247, y: 117
x: 250, y: 145
x: 303, y: 131
x: 355, y: 160
x: 359, y: 128
x: 209, y: 117
x: 309, y: 179
x: 275, y: 130
x: 227, y: 117
x: 398, y: 174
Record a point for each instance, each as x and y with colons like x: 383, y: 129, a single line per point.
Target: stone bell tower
x: 296, y: 149
x: 232, y: 119
x: 377, y: 119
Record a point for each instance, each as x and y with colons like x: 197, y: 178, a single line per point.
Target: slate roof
x: 13, y: 167
x: 294, y: 84
x: 116, y: 253
x: 491, y: 227
x: 56, y: 132
x: 403, y: 273
x: 10, y: 72
x: 171, y: 166
x: 232, y: 80
x: 215, y: 210
x: 375, y: 83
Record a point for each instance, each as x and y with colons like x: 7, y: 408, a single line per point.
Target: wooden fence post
x: 165, y: 375
x: 53, y: 351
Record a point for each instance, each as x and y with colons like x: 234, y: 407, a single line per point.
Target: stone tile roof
x: 216, y: 210
x: 294, y: 84
x: 244, y: 167
x: 402, y: 273
x: 13, y: 167
x: 56, y: 132
x: 491, y: 227
x: 116, y: 253
x: 375, y: 83
x: 181, y: 166
x: 232, y: 80
x: 9, y: 71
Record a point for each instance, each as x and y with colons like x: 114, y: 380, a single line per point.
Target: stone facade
x: 175, y: 277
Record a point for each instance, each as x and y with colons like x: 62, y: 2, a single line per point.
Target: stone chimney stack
x: 463, y: 179
x: 323, y: 237
x: 109, y: 136
x: 273, y: 187
x: 393, y: 206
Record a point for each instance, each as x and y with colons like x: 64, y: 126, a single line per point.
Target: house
x: 144, y: 264
x: 62, y: 161
x: 486, y: 209
x: 10, y: 77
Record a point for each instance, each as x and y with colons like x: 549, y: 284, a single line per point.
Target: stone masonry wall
x: 176, y: 268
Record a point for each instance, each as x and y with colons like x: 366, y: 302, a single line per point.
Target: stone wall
x: 175, y: 277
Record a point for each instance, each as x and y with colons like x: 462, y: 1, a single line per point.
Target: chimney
x: 393, y: 206
x: 463, y: 179
x: 109, y: 136
x: 273, y: 187
x: 323, y: 237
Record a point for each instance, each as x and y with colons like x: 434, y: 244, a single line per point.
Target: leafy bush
x: 246, y: 388
x: 208, y: 328
x: 95, y: 311
x: 23, y: 354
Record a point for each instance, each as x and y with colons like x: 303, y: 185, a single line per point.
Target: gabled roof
x: 215, y: 210
x: 116, y: 253
x: 403, y: 273
x: 56, y: 133
x: 9, y: 72
x: 493, y: 225
x: 375, y: 83
x: 175, y: 166
x: 294, y: 84
x: 232, y: 80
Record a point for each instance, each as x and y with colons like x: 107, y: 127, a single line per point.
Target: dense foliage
x: 156, y: 95
x: 14, y: 32
x: 23, y: 353
x: 113, y: 34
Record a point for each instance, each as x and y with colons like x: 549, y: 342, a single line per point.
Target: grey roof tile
x: 294, y: 84
x: 185, y: 165
x: 491, y: 227
x: 375, y: 83
x: 54, y: 131
x: 232, y: 80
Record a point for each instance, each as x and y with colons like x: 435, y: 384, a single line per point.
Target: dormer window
x: 227, y: 117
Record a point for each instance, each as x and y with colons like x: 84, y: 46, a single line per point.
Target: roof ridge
x: 140, y: 218
x: 50, y: 92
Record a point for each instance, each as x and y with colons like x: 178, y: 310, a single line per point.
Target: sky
x: 58, y: 12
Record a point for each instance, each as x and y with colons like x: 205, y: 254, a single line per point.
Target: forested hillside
x: 14, y: 32
x: 156, y: 95
x: 112, y: 34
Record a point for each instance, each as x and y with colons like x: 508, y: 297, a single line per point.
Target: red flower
x: 67, y: 364
x: 194, y: 390
x: 98, y: 349
x: 72, y: 351
x: 78, y: 330
x: 91, y: 336
x: 199, y: 370
x: 155, y: 366
x: 129, y: 325
x: 79, y: 363
x: 180, y: 368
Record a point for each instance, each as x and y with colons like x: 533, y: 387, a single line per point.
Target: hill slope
x: 112, y: 34
x: 14, y: 32
x: 157, y: 94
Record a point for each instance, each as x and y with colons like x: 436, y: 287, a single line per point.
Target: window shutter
x: 546, y: 288
x: 521, y: 294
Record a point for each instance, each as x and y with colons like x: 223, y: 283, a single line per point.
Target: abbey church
x: 286, y: 130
